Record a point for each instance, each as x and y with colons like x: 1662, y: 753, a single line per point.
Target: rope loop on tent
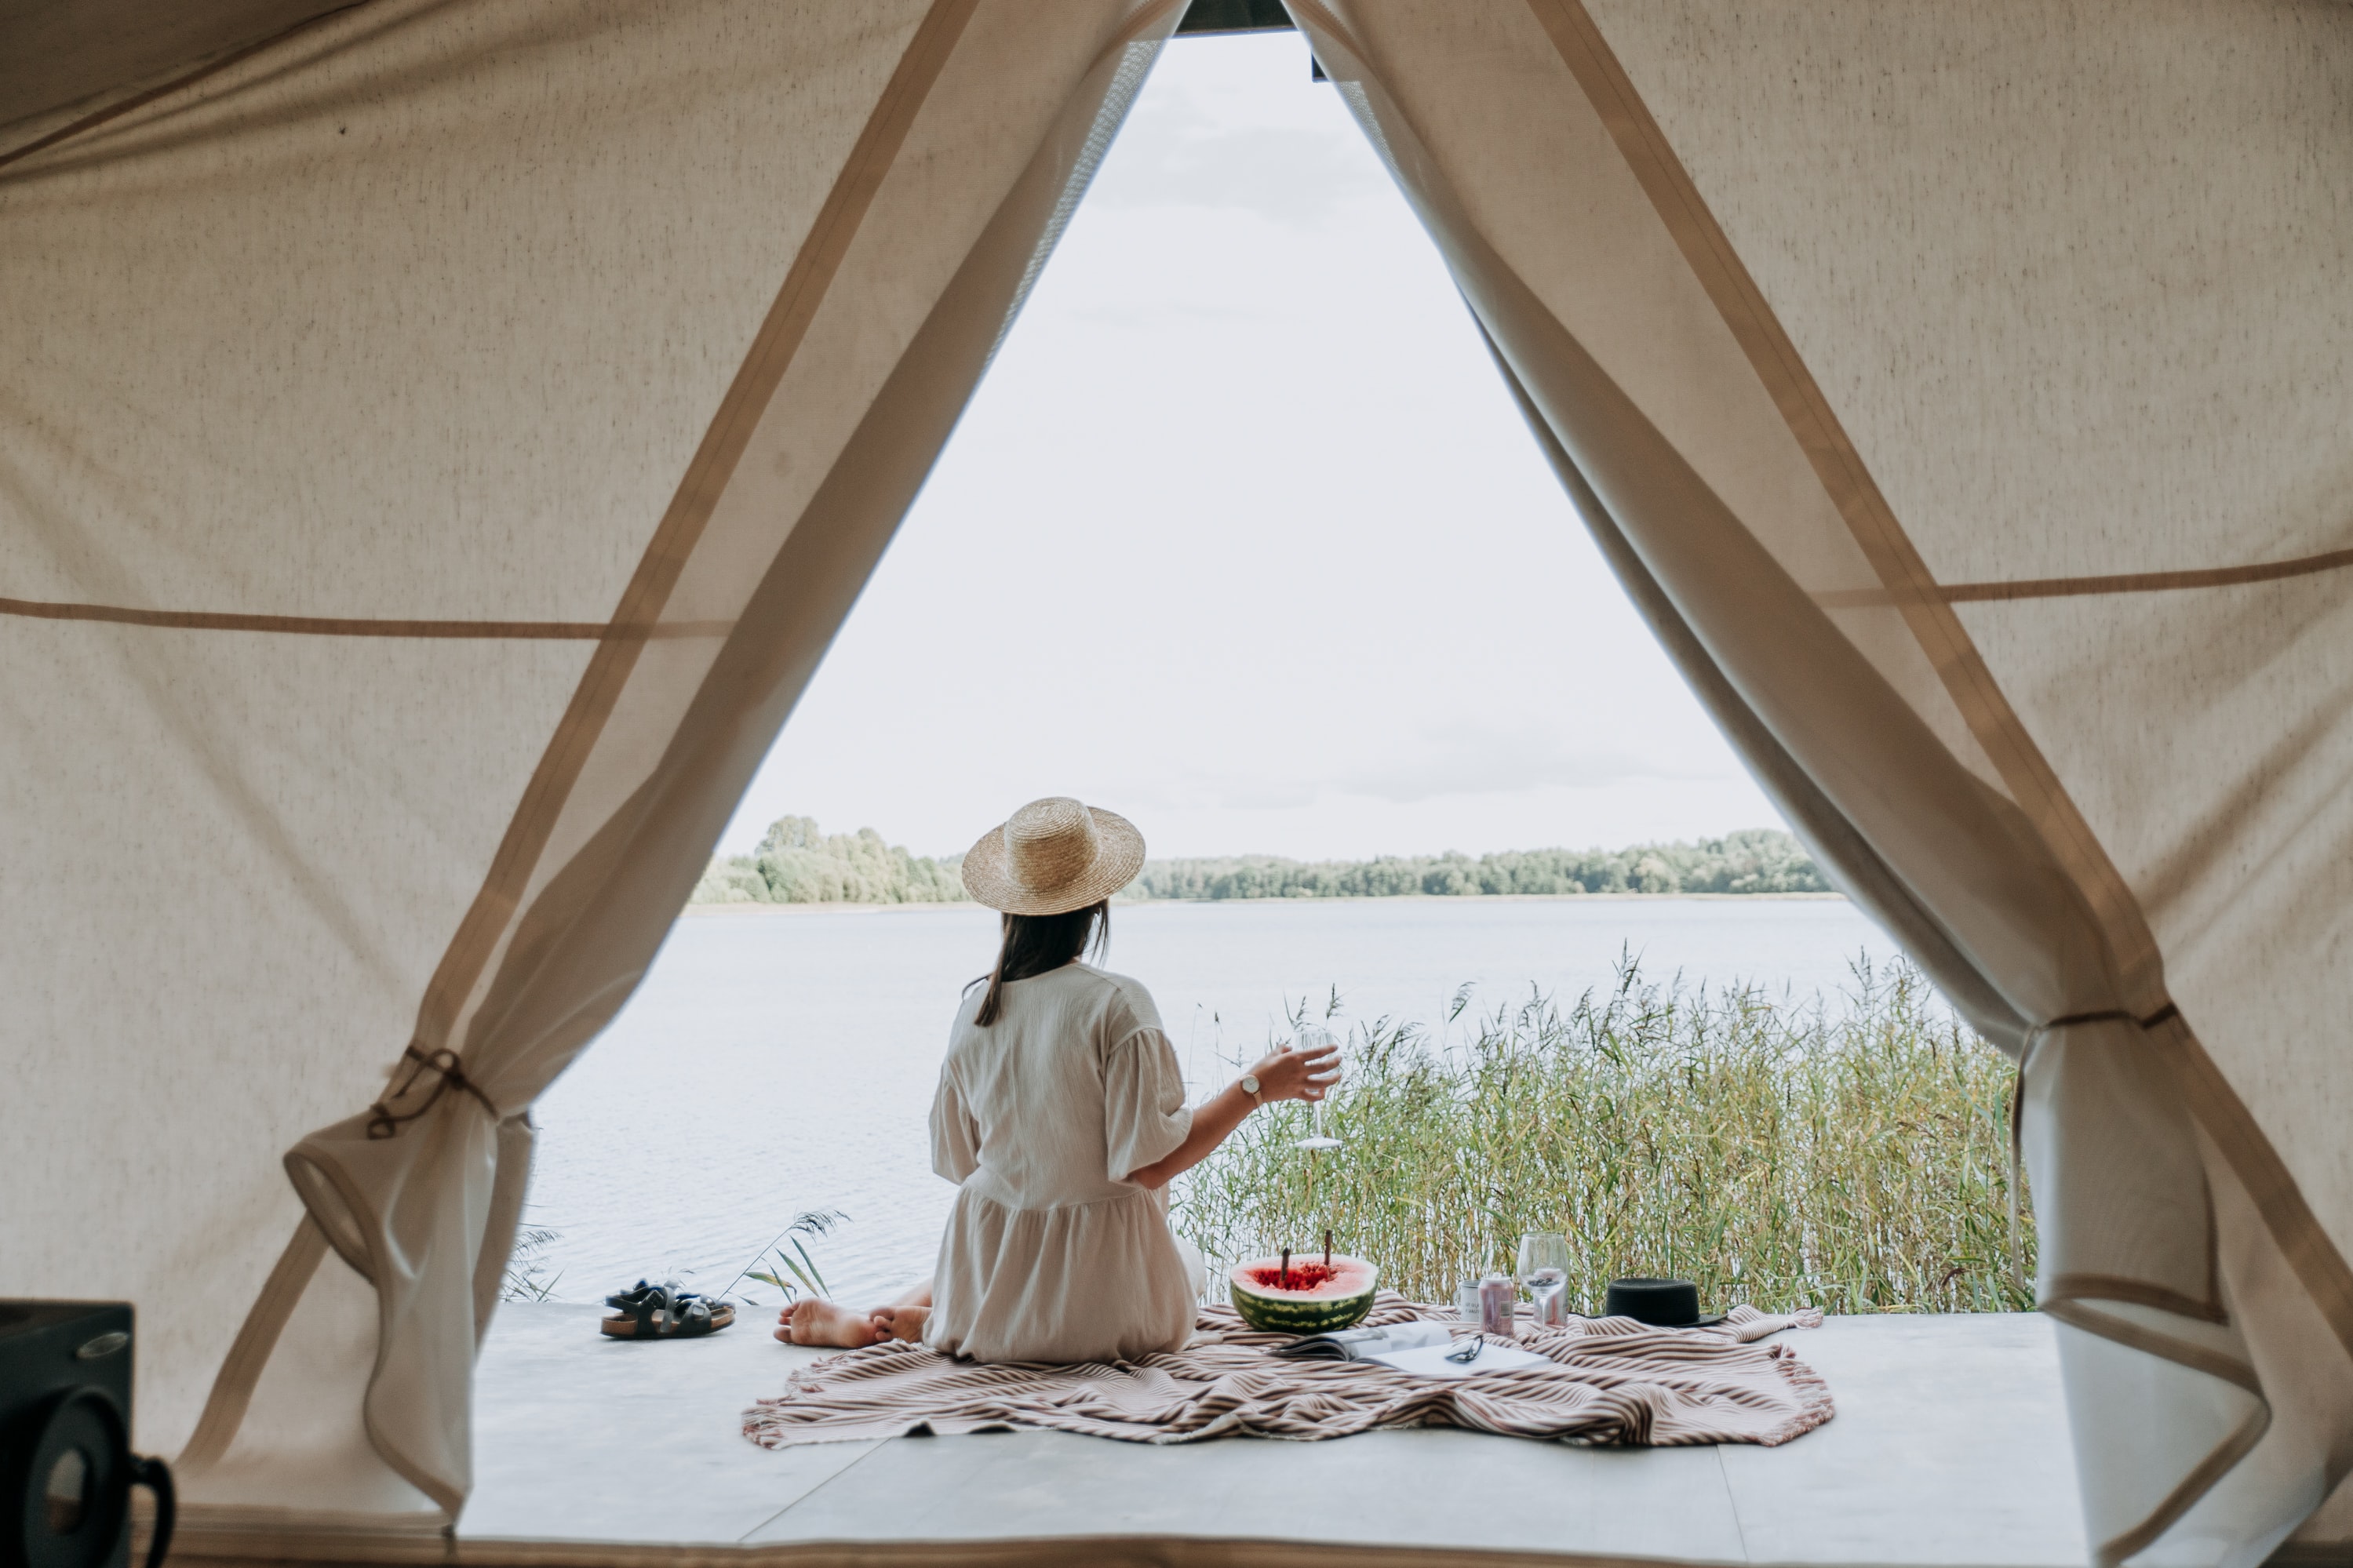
x: 384, y: 1122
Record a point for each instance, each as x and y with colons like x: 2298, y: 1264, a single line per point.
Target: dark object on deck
x: 1661, y: 1303
x: 66, y: 1465
x: 664, y: 1311
x: 1235, y: 17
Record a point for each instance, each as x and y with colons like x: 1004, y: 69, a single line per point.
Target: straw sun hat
x: 1051, y: 857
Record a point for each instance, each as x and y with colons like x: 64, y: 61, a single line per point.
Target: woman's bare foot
x: 900, y: 1322
x: 810, y: 1321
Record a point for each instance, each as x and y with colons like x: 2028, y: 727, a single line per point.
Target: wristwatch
x: 1249, y: 1087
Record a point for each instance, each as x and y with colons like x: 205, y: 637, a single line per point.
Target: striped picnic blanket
x: 1608, y: 1380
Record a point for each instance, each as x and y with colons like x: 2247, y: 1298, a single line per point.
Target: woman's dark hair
x: 1039, y: 944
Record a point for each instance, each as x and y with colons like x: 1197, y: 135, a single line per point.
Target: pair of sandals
x: 664, y: 1311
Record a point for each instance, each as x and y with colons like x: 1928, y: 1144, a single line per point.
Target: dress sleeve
x: 1145, y: 1113
x: 956, y: 1136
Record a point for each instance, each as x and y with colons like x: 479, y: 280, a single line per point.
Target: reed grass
x: 1852, y: 1154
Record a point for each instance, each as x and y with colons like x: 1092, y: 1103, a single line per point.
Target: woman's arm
x: 1282, y: 1075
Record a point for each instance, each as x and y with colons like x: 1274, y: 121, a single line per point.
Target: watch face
x: 1249, y: 1083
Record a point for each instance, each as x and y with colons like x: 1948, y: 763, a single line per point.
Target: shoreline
x: 735, y: 911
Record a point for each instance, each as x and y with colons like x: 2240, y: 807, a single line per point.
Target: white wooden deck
x: 1950, y: 1448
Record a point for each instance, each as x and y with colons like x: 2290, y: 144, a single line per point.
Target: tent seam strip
x: 112, y: 111
x: 240, y: 1370
x: 2080, y: 587
x: 357, y: 626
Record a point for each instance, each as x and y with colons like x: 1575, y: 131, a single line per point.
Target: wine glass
x: 1544, y: 1270
x: 1316, y: 1037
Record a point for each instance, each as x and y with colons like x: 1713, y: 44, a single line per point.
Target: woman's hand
x: 1306, y: 1075
x: 1282, y: 1075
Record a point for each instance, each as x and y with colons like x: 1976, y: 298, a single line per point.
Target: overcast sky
x: 1243, y: 538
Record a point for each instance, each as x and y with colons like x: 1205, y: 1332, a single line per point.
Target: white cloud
x: 1243, y: 535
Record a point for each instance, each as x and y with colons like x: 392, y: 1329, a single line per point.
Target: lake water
x: 784, y: 1059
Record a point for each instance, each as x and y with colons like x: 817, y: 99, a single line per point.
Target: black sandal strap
x: 683, y: 1313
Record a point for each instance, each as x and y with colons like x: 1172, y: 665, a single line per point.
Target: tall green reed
x: 1852, y: 1155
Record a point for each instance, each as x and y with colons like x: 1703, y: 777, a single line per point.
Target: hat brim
x: 1119, y: 856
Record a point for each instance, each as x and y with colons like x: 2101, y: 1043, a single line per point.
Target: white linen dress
x: 1050, y: 1253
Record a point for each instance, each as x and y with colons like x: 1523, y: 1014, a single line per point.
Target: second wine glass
x: 1543, y: 1273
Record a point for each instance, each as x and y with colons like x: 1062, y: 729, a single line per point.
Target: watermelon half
x: 1318, y: 1299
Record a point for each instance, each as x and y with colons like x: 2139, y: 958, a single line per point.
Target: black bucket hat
x: 1661, y: 1303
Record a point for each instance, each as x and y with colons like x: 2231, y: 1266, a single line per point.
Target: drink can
x: 1497, y: 1300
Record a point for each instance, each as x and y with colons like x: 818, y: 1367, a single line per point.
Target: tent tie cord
x: 384, y: 1122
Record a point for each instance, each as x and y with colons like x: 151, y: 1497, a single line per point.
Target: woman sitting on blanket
x: 1061, y: 1115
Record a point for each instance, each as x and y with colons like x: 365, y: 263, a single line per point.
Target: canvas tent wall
x: 438, y: 438
x: 516, y: 396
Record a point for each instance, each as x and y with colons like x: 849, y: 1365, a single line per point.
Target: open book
x: 1363, y: 1345
x: 1418, y: 1348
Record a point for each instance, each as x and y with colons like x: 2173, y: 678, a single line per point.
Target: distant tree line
x: 1754, y: 860
x: 797, y: 864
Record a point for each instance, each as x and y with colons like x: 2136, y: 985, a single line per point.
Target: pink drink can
x: 1497, y: 1300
